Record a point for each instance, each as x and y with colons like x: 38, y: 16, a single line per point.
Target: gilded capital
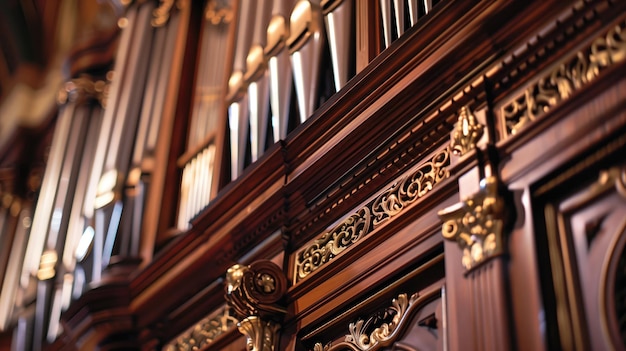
x: 477, y: 224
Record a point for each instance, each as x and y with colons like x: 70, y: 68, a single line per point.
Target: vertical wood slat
x: 486, y: 296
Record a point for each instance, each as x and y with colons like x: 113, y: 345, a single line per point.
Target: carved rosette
x: 477, y: 224
x: 467, y: 132
x: 255, y: 293
x: 83, y: 89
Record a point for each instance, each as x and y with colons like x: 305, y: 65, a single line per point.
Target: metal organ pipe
x: 339, y: 28
x: 238, y: 110
x: 278, y: 60
x: 257, y: 79
x: 305, y: 45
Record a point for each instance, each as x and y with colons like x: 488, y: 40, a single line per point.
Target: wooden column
x: 478, y: 225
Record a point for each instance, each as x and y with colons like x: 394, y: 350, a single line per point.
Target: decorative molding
x: 382, y: 329
x: 477, y: 224
x: 82, y: 90
x: 205, y: 331
x: 388, y: 204
x: 467, y: 132
x: 162, y: 13
x: 569, y: 76
x: 255, y: 292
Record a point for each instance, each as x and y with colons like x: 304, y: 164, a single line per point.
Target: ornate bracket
x: 477, y: 224
x: 467, y: 132
x: 255, y: 292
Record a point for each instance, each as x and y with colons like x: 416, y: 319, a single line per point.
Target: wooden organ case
x: 369, y: 175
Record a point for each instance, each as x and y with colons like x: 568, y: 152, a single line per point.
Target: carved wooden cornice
x: 255, y: 293
x: 386, y: 205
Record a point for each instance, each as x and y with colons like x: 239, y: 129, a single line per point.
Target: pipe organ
x: 328, y: 175
x: 281, y: 49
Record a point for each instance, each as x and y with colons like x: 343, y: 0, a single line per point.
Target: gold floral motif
x: 563, y: 81
x: 466, y: 133
x: 205, y: 332
x: 162, y: 13
x: 382, y: 329
x: 477, y: 223
x: 386, y: 205
x: 333, y: 243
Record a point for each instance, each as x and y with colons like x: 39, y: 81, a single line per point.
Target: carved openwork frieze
x: 467, y: 132
x: 255, y: 293
x: 382, y: 329
x: 569, y: 76
x: 83, y: 89
x: 205, y: 331
x: 477, y: 224
x: 388, y: 204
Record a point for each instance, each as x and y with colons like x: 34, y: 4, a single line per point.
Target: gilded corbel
x: 254, y: 292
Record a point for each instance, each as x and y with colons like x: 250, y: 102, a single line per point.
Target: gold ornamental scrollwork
x: 388, y: 204
x: 383, y: 329
x: 204, y: 332
x: 477, y: 224
x: 82, y: 90
x: 467, y: 132
x: 563, y: 81
x: 255, y: 293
